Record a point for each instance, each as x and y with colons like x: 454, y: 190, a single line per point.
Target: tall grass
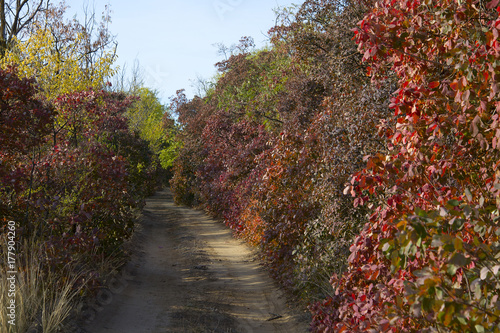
x: 43, y: 299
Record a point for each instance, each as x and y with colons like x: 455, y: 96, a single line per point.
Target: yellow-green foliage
x: 169, y: 154
x: 58, y: 66
x: 145, y: 117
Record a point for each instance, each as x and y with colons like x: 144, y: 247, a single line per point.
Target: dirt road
x: 190, y: 275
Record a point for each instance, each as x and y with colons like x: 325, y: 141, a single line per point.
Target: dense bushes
x: 75, y: 166
x: 73, y: 179
x: 270, y: 147
x: 389, y: 187
x: 428, y: 259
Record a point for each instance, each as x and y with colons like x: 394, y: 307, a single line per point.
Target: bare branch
x: 16, y: 17
x: 32, y: 16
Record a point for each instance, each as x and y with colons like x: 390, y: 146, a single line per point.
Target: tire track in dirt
x: 190, y: 275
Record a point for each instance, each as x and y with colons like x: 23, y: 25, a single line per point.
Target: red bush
x: 427, y: 261
x: 68, y: 171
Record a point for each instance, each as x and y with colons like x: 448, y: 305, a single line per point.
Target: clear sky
x: 173, y: 39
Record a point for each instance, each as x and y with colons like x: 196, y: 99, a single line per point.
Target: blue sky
x: 173, y: 40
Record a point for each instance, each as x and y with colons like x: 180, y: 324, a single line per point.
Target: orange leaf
x: 434, y: 84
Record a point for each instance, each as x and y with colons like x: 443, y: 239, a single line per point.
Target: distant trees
x: 145, y: 118
x: 154, y: 124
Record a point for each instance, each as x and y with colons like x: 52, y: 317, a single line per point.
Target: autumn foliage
x: 77, y: 161
x: 360, y: 152
x: 428, y: 259
x: 69, y: 174
x: 272, y: 144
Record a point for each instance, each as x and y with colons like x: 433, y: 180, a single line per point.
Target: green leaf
x: 420, y: 229
x: 458, y: 244
x: 439, y: 293
x: 427, y: 304
x: 436, y: 241
x: 395, y: 260
x: 420, y: 212
x: 450, y: 311
x: 451, y: 269
x: 459, y: 260
x: 386, y: 247
x: 467, y: 210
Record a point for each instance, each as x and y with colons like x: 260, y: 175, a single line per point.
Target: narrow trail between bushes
x: 189, y: 274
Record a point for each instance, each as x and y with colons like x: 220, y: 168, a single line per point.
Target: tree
x: 25, y: 122
x: 64, y: 56
x: 145, y: 117
x: 153, y: 122
x: 15, y: 18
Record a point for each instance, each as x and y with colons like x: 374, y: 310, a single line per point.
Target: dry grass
x: 43, y: 300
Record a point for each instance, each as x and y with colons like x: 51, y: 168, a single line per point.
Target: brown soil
x: 190, y: 275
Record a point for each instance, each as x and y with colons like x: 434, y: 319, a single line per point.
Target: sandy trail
x: 191, y: 275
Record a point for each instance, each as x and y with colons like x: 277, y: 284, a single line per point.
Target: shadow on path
x: 190, y: 275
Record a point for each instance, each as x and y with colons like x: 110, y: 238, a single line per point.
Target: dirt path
x: 190, y: 275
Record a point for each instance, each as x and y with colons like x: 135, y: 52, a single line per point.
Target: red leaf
x: 434, y: 84
x: 454, y: 85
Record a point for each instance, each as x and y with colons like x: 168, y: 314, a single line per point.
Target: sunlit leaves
x: 71, y: 180
x: 270, y: 147
x: 436, y: 232
x: 62, y: 56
